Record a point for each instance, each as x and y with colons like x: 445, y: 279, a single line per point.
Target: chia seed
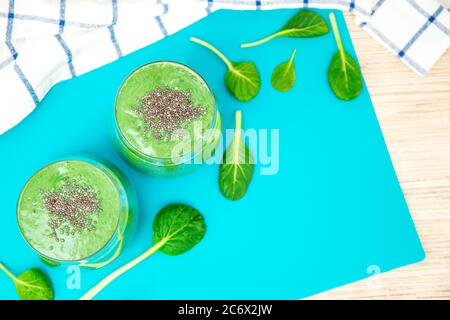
x: 165, y: 110
x: 72, y: 208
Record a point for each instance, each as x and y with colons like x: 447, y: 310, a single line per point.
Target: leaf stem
x: 237, y: 135
x: 268, y: 38
x: 292, y: 57
x: 213, y: 49
x: 238, y: 124
x: 258, y: 42
x: 9, y: 274
x: 336, y: 33
x: 102, y: 284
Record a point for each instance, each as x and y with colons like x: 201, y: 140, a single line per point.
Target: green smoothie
x: 72, y: 210
x: 164, y: 111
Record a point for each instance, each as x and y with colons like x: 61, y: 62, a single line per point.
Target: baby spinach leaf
x: 177, y: 228
x: 304, y: 24
x: 283, y: 77
x: 236, y: 170
x: 180, y: 227
x: 242, y: 79
x: 33, y: 284
x: 344, y: 74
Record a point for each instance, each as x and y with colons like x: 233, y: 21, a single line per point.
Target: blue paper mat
x: 333, y: 214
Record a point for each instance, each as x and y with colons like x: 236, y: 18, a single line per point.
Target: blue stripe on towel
x: 12, y: 50
x: 393, y: 47
x: 111, y: 29
x: 420, y: 31
x: 26, y: 83
x: 19, y: 71
x: 9, y: 28
x: 68, y: 54
x: 377, y: 6
x: 352, y: 5
x: 438, y: 24
x: 209, y: 7
x: 115, y: 11
x: 166, y: 8
x: 29, y: 17
x: 62, y: 16
x: 161, y: 26
x: 114, y: 41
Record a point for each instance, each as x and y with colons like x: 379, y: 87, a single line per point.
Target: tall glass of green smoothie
x: 78, y: 211
x: 166, y: 119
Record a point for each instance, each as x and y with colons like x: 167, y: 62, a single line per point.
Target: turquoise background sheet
x: 334, y: 212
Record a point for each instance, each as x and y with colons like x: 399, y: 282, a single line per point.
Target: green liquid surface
x: 163, y: 75
x: 33, y: 216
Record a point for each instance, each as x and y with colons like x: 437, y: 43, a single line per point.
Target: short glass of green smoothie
x: 166, y: 119
x: 79, y: 211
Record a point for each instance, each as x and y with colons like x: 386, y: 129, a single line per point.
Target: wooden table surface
x: 414, y: 114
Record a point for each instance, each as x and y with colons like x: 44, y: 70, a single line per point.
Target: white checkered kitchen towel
x: 43, y: 42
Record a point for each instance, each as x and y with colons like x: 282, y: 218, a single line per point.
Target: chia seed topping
x: 165, y: 110
x: 72, y: 209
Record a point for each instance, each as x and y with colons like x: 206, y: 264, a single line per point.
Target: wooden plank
x: 414, y: 114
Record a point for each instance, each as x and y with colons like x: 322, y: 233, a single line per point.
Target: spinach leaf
x: 180, y: 228
x: 33, y: 284
x: 236, y: 170
x: 242, y: 79
x: 304, y: 24
x: 177, y: 228
x: 283, y: 77
x: 344, y: 75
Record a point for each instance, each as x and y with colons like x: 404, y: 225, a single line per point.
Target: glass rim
x: 85, y: 161
x: 177, y: 160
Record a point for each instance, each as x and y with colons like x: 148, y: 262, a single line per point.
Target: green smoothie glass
x: 154, y: 104
x: 78, y: 211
